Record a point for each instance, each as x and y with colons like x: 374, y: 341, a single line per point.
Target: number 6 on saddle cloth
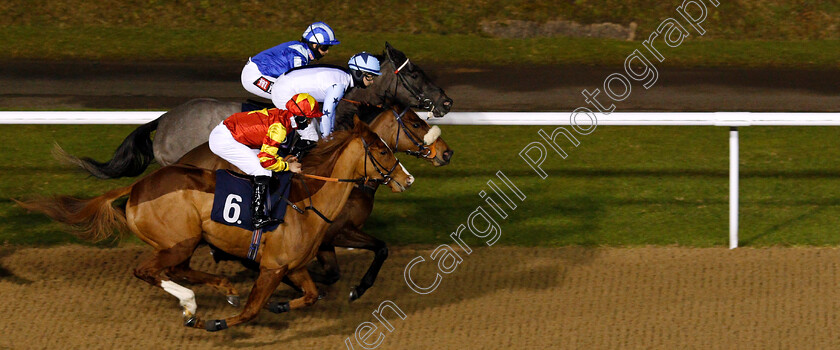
x: 232, y: 200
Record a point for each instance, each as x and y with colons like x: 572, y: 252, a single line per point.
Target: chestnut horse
x: 170, y: 210
x: 403, y: 131
x: 188, y: 125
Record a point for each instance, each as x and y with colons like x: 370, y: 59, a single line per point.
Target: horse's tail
x: 92, y: 219
x: 131, y: 158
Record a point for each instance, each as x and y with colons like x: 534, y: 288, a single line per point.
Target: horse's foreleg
x: 301, y: 278
x: 266, y: 283
x: 353, y: 237
x: 220, y: 283
x: 150, y: 270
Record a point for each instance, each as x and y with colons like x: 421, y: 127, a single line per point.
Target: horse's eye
x: 383, y: 152
x: 414, y: 75
x: 416, y: 125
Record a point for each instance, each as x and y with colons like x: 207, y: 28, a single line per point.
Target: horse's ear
x: 360, y: 127
x: 357, y: 123
x: 388, y: 46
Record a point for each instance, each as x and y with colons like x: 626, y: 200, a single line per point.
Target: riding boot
x: 258, y: 217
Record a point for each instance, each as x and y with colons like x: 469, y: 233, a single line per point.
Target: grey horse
x: 187, y: 126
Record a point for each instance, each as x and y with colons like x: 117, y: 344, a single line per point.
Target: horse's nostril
x: 447, y: 155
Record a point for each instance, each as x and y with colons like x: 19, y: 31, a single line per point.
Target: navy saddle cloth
x: 232, y: 201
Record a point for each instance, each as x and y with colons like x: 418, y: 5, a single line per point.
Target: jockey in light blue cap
x: 262, y: 70
x: 327, y: 84
x: 363, y: 67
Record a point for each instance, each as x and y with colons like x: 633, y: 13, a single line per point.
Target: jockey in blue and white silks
x: 262, y: 70
x: 327, y: 84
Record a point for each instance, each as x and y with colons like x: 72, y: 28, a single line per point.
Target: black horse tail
x: 130, y: 159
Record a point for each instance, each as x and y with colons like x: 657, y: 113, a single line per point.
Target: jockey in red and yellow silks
x: 266, y: 129
x: 251, y: 141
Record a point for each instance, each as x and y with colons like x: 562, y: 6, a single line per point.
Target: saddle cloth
x: 234, y: 193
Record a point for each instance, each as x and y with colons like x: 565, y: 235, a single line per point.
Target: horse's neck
x: 332, y: 197
x: 374, y: 95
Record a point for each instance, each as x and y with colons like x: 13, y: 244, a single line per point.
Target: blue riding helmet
x: 364, y: 62
x: 319, y: 33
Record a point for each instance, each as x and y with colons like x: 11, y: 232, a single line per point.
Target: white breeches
x: 252, y: 74
x: 243, y: 157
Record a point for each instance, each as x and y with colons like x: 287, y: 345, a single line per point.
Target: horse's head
x: 408, y: 85
x: 379, y: 163
x: 404, y: 131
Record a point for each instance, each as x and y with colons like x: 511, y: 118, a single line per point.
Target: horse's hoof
x: 233, y: 300
x: 278, y: 308
x: 215, y: 325
x: 190, y: 322
x: 354, y: 294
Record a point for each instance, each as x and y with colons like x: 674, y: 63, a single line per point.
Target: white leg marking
x: 185, y: 295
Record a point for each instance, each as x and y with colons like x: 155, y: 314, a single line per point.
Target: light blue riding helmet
x: 319, y: 33
x: 364, y: 62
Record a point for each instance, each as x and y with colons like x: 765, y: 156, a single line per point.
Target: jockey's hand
x: 290, y: 158
x: 294, y: 166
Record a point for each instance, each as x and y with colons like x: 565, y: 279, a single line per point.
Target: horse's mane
x: 322, y: 159
x: 367, y: 113
x: 397, y: 55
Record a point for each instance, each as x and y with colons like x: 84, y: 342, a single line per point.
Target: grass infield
x: 155, y: 44
x: 623, y: 186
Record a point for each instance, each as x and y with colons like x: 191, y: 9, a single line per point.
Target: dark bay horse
x: 188, y: 125
x: 403, y: 131
x: 170, y: 210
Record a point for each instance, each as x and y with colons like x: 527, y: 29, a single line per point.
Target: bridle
x: 386, y: 177
x: 377, y: 165
x: 422, y: 151
x: 423, y: 102
x: 362, y: 181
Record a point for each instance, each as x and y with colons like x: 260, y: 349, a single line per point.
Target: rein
x: 332, y: 179
x: 386, y: 178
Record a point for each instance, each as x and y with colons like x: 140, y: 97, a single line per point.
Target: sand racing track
x: 498, y: 298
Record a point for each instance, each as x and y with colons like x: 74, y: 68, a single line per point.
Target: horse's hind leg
x: 301, y: 278
x: 220, y: 283
x: 150, y: 270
